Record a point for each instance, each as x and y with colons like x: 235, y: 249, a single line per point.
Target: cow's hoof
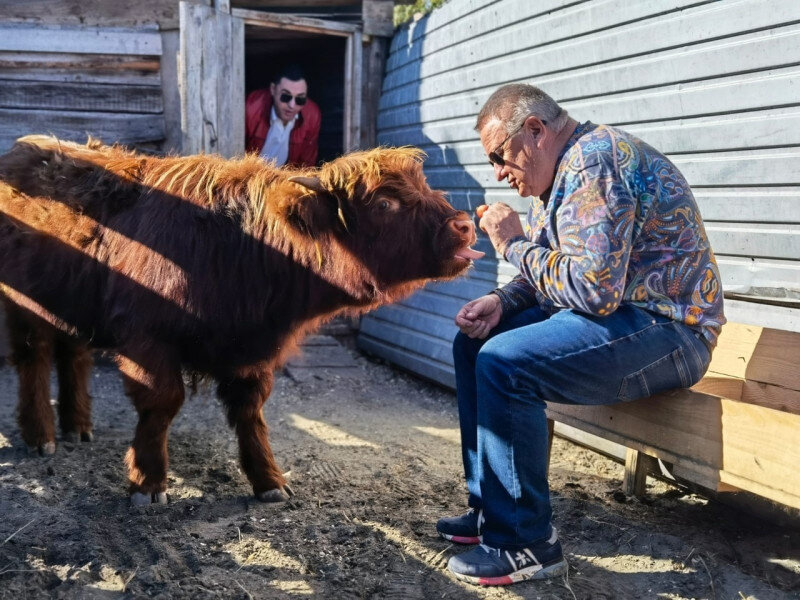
x: 73, y: 436
x: 276, y: 495
x: 140, y: 499
x: 46, y: 449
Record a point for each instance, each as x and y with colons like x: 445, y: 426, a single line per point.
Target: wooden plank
x: 633, y: 433
x: 108, y: 127
x: 760, y: 452
x: 99, y: 97
x: 758, y: 354
x: 378, y: 17
x: 210, y: 67
x: 170, y: 91
x: 677, y: 424
x: 236, y: 92
x: 90, y: 13
x: 295, y: 3
x: 374, y: 63
x: 25, y: 38
x: 84, y: 68
x: 192, y: 17
x: 600, y: 445
x: 356, y: 42
x: 637, y: 466
x: 294, y: 23
x: 319, y: 357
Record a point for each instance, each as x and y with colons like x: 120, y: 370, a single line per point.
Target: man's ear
x: 536, y: 128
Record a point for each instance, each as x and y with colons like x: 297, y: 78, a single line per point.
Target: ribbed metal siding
x: 714, y: 85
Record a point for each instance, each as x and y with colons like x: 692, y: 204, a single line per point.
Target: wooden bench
x: 737, y: 429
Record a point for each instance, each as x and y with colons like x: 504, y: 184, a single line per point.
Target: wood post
x: 637, y: 466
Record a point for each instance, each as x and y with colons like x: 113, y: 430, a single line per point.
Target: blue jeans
x: 531, y: 358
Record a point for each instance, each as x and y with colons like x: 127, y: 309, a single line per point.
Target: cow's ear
x: 312, y: 212
x: 311, y: 183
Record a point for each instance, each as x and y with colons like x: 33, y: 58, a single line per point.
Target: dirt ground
x: 374, y: 462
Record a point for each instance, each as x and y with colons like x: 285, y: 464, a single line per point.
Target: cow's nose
x: 462, y: 226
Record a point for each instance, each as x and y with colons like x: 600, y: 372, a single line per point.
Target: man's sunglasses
x: 495, y: 156
x: 287, y: 97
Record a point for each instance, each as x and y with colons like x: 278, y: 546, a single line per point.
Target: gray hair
x: 515, y: 102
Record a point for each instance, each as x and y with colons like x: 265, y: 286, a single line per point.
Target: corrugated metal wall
x: 715, y: 85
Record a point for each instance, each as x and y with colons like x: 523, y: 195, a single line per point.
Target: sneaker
x: 494, y: 566
x: 464, y: 529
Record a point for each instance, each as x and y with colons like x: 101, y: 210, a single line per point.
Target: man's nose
x: 498, y: 171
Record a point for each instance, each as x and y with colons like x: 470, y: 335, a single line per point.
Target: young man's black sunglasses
x: 286, y: 97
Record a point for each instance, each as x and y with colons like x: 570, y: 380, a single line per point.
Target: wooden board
x: 758, y: 354
x: 212, y: 81
x: 322, y: 357
x: 90, y: 40
x: 83, y: 68
x: 75, y: 126
x: 99, y: 97
x: 89, y: 13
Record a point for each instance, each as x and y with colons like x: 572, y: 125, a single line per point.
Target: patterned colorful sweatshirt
x: 619, y: 224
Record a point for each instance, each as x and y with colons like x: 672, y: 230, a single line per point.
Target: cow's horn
x: 311, y: 183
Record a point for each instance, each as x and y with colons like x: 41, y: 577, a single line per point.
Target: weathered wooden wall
x: 73, y: 81
x: 712, y: 84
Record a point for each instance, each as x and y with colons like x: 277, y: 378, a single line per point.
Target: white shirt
x: 276, y: 146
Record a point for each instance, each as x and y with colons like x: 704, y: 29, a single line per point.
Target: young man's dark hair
x: 291, y: 71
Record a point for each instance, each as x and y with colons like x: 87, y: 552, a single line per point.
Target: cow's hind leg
x: 244, y: 396
x: 31, y: 353
x: 73, y: 365
x: 156, y: 390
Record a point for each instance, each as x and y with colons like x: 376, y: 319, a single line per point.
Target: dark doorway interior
x: 321, y: 56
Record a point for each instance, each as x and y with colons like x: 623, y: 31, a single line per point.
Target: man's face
x: 288, y: 90
x: 525, y: 166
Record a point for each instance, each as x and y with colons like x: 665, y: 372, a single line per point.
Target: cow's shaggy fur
x: 201, y: 263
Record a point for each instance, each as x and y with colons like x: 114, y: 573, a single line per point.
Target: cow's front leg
x: 244, y: 395
x: 155, y: 387
x: 32, y: 348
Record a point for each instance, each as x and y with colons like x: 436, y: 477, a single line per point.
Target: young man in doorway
x: 282, y: 123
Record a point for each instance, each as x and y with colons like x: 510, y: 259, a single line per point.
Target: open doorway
x: 320, y: 56
x: 226, y: 52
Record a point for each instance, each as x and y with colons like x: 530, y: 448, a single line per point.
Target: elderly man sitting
x: 617, y: 297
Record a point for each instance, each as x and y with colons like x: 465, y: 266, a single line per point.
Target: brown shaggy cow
x: 214, y: 266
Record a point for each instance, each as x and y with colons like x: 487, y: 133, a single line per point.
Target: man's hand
x: 501, y: 223
x: 478, y: 317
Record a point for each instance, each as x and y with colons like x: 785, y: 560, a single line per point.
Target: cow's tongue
x: 469, y: 254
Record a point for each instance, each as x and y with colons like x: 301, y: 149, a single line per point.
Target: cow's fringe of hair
x: 213, y: 181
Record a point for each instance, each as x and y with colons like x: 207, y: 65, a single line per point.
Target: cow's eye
x: 383, y: 205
